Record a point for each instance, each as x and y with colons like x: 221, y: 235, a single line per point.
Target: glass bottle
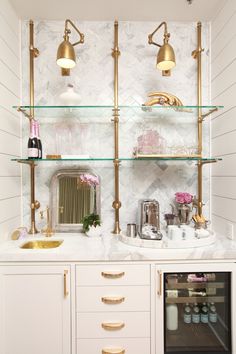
x: 187, y: 313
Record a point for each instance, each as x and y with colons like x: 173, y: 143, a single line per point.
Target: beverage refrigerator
x: 195, y: 305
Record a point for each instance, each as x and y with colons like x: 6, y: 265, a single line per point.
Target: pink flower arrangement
x: 90, y: 180
x: 183, y: 198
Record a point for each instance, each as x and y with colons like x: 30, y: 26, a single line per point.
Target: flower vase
x: 184, y: 213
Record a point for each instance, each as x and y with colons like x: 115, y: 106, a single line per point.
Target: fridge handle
x: 159, y: 290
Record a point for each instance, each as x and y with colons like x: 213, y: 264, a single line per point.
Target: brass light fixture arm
x: 166, y: 35
x: 68, y: 31
x: 34, y: 204
x: 116, y: 204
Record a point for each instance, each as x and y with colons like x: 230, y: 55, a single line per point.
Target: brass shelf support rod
x: 34, y: 53
x: 116, y: 204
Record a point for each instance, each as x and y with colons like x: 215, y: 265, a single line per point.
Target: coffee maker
x: 149, y: 219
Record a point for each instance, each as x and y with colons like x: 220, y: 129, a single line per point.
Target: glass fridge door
x: 197, y: 313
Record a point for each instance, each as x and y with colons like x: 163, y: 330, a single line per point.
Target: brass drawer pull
x: 66, y: 293
x: 113, y: 351
x: 113, y: 275
x: 113, y: 326
x: 113, y: 300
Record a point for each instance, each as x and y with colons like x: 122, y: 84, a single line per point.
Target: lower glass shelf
x: 165, y: 158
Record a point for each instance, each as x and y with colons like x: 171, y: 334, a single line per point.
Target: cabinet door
x: 195, y: 309
x: 34, y: 310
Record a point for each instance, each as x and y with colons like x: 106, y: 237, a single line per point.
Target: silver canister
x: 149, y: 219
x: 131, y: 230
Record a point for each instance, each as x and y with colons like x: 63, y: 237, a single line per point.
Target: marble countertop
x: 80, y: 248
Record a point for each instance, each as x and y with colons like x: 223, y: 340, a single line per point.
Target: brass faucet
x: 48, y: 231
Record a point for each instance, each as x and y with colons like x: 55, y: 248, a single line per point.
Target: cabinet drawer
x: 113, y: 298
x: 119, y: 346
x: 111, y: 274
x: 124, y: 324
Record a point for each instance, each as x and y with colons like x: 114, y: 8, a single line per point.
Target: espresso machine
x: 149, y: 220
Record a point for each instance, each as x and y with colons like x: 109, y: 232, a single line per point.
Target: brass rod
x: 116, y: 204
x: 33, y: 203
x: 31, y: 52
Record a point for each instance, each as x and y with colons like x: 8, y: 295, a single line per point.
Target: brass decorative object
x: 48, y: 231
x: 163, y: 99
x: 66, y: 57
x: 166, y: 55
x: 116, y: 204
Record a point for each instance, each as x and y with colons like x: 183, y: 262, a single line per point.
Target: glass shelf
x: 208, y: 159
x: 125, y: 112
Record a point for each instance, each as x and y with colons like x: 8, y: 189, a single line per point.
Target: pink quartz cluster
x: 150, y: 142
x: 183, y: 198
x: 90, y: 180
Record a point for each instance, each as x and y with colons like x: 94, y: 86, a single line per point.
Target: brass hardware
x: 34, y: 53
x: 113, y: 326
x: 113, y: 351
x: 164, y: 99
x: 112, y: 300
x: 48, y: 231
x: 66, y: 293
x: 66, y: 57
x: 159, y: 291
x: 113, y: 275
x: 208, y: 113
x: 116, y: 204
x: 41, y: 244
x: 166, y: 54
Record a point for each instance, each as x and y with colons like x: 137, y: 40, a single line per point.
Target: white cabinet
x: 208, y: 288
x: 35, y: 309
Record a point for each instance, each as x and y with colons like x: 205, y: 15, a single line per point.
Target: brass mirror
x: 71, y: 199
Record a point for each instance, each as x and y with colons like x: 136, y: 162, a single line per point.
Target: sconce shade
x: 66, y: 55
x: 165, y: 57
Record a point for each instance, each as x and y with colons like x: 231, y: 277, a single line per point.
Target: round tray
x: 167, y: 243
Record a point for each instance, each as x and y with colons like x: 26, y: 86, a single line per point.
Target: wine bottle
x: 40, y: 150
x: 32, y: 142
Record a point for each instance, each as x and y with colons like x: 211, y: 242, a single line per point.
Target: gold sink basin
x: 41, y: 244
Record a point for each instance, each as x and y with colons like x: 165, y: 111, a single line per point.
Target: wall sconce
x: 66, y: 57
x: 166, y: 54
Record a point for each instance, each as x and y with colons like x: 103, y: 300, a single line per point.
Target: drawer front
x: 113, y: 324
x: 113, y: 298
x: 111, y: 274
x: 111, y: 346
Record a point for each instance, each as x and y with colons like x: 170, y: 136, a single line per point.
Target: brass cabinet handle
x: 113, y: 326
x: 113, y: 351
x: 66, y: 293
x: 113, y: 275
x: 159, y: 291
x: 113, y: 300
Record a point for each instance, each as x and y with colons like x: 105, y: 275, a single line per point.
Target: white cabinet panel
x: 34, y: 313
x: 116, y: 298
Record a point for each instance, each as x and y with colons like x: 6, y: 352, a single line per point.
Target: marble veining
x: 93, y: 80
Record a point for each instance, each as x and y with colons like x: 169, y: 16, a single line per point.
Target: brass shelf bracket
x: 116, y: 204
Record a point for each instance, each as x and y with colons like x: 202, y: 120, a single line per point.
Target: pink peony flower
x: 183, y: 198
x: 90, y: 180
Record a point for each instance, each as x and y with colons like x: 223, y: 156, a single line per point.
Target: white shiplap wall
x: 10, y: 125
x: 224, y: 123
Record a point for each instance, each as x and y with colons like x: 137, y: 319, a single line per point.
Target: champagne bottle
x: 40, y: 150
x: 32, y: 142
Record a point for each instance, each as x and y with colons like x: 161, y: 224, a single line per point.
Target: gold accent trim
x: 113, y: 300
x: 113, y: 326
x: 116, y: 204
x: 113, y: 351
x: 66, y: 292
x: 159, y: 291
x: 112, y: 275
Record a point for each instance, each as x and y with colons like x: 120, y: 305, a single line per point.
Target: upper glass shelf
x: 125, y: 112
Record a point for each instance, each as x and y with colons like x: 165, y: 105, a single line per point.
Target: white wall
x: 10, y: 127
x: 224, y: 123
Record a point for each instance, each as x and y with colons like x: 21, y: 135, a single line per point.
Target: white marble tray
x: 167, y: 243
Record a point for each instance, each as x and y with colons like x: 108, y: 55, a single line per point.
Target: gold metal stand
x: 116, y: 204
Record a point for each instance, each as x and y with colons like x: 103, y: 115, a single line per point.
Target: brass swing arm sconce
x: 66, y: 57
x: 165, y: 56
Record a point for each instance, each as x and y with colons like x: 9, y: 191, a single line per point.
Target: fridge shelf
x: 193, y: 299
x: 200, y: 285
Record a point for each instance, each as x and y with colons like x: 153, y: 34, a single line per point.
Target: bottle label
x: 187, y: 318
x: 32, y: 152
x: 196, y: 318
x: 213, y: 317
x: 204, y: 318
